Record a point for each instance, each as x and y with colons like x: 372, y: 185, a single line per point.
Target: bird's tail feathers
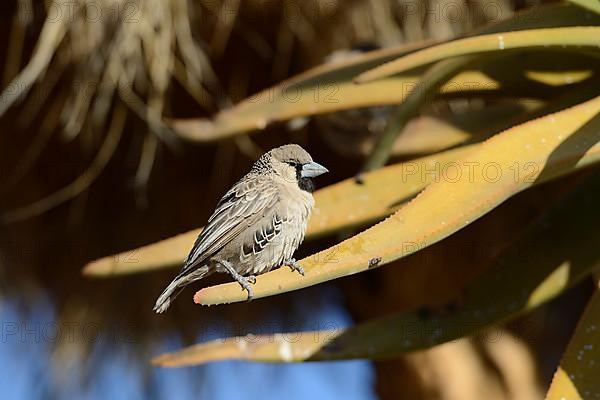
x: 176, y: 286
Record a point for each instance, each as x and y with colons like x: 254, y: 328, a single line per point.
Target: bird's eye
x: 292, y: 163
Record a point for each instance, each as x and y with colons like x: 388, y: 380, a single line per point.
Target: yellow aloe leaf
x: 559, y: 78
x: 329, y: 87
x: 342, y: 205
x: 431, y: 133
x: 279, y: 347
x: 504, y: 165
x: 322, y: 95
x: 543, y: 74
x: 427, y: 134
x: 423, y: 135
x: 322, y: 89
x: 166, y: 253
x: 545, y: 269
x: 327, y: 94
x: 437, y: 76
x: 432, y: 80
x: 252, y: 114
x: 577, y: 377
x: 588, y: 36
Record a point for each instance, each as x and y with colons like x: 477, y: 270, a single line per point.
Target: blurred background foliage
x: 123, y: 122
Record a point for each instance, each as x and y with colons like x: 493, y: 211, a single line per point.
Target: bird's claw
x: 246, y: 284
x: 295, y: 266
x: 250, y: 294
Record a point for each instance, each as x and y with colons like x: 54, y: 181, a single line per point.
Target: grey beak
x: 313, y: 169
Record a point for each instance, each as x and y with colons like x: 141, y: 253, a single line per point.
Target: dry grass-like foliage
x: 92, y: 56
x: 104, y: 88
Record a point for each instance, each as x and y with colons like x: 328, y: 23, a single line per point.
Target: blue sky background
x: 28, y: 369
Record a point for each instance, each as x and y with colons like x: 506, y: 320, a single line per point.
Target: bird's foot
x: 295, y: 266
x: 246, y: 284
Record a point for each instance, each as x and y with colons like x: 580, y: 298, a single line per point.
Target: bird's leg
x: 245, y: 282
x: 295, y: 266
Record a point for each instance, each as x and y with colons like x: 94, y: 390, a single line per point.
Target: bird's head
x: 292, y: 163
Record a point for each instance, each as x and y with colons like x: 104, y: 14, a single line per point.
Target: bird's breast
x: 280, y: 233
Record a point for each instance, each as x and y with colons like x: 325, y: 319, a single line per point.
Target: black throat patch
x: 305, y: 184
